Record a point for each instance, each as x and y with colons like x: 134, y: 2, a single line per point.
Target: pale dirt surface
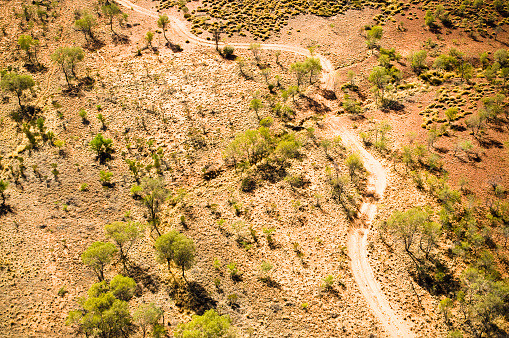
x: 378, y: 296
x: 358, y: 240
x: 357, y: 244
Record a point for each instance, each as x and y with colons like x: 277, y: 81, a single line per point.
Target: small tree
x: 122, y: 287
x: 354, y: 164
x: 256, y: 105
x: 501, y: 56
x: 85, y: 25
x: 418, y: 60
x: 313, y: 67
x: 165, y: 248
x: 102, y: 314
x: 149, y: 37
x: 110, y: 11
x: 210, y: 324
x: 17, y: 84
x: 68, y: 58
x: 102, y: 146
x: 162, y: 23
x: 300, y: 69
x: 184, y: 251
x: 408, y: 226
x: 380, y: 78
x: 228, y: 51
x: 255, y: 48
x: 373, y: 36
x: 429, y: 20
x: 147, y: 315
x: 97, y: 256
x: 124, y: 235
x: 29, y: 45
x: 154, y: 194
x: 451, y: 114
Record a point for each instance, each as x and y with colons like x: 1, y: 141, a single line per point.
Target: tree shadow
x: 271, y: 283
x: 192, y: 296
x: 94, y: 45
x: 435, y: 278
x: 271, y: 173
x: 25, y: 113
x: 5, y: 209
x: 393, y: 105
x: 328, y: 94
x: 490, y: 143
x: 120, y: 39
x: 35, y: 68
x: 175, y: 48
x: 86, y: 83
x: 148, y: 280
x: 315, y: 106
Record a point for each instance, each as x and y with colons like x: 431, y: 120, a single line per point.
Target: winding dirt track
x: 358, y: 238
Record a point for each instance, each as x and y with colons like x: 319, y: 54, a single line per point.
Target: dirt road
x: 358, y: 237
x: 394, y: 325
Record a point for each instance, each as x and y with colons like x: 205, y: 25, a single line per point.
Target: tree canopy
x: 17, y: 84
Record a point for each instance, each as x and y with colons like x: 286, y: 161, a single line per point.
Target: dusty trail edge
x: 394, y: 325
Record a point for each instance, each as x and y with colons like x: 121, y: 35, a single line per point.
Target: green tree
x: 210, y: 325
x: 484, y: 300
x: 429, y: 20
x: 111, y: 11
x: 154, y: 193
x: 501, y: 57
x: 165, y: 248
x: 184, y: 251
x: 17, y: 84
x: 97, y: 256
x: 163, y: 22
x: 85, y: 25
x: 147, y: 315
x: 354, y: 164
x: 418, y: 60
x: 407, y: 226
x: 102, y: 314
x: 300, y: 69
x: 122, y: 287
x: 287, y: 148
x: 445, y: 62
x: 176, y: 247
x: 451, y: 114
x: 103, y: 147
x: 3, y: 186
x: 68, y: 58
x: 373, y: 36
x: 466, y: 70
x: 149, y: 37
x: 29, y: 45
x: 256, y: 105
x: 380, y: 78
x: 124, y: 234
x: 228, y: 51
x: 313, y: 67
x: 493, y: 106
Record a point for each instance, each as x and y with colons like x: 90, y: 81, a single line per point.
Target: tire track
x: 394, y: 325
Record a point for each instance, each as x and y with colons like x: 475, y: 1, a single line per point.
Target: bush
x: 210, y: 324
x: 248, y: 184
x: 105, y: 177
x: 102, y: 146
x: 228, y: 51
